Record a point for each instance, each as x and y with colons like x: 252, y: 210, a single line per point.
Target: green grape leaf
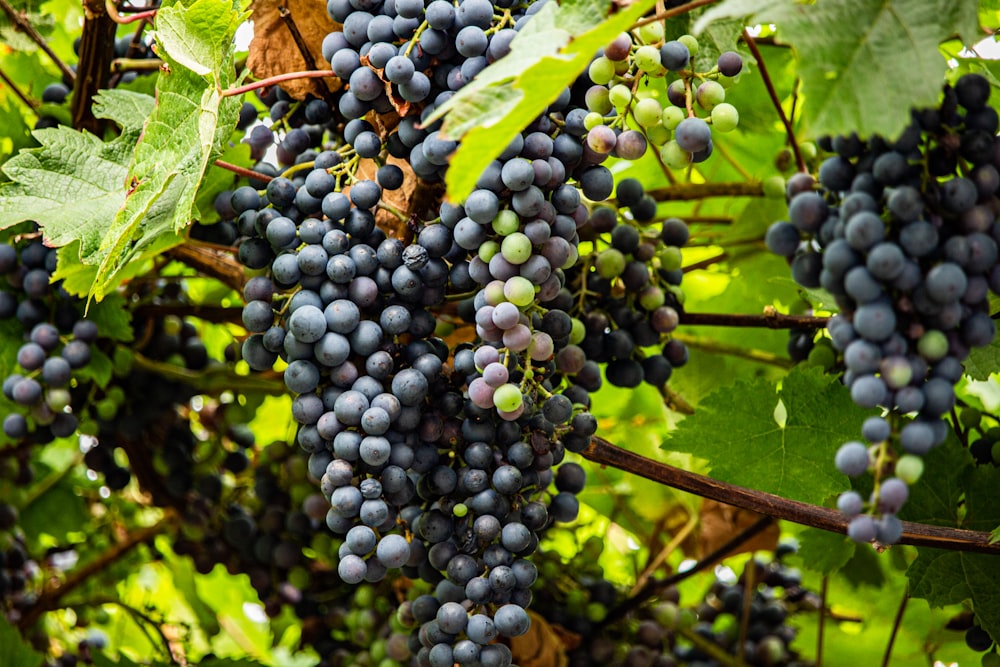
x: 57, y: 511
x: 183, y: 134
x: 99, y: 370
x: 547, y: 55
x: 983, y: 361
x: 934, y: 499
x: 113, y: 318
x: 825, y: 552
x: 954, y: 577
x: 16, y: 652
x: 879, y: 61
x: 736, y: 431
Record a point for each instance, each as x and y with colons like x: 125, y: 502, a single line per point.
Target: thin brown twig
x: 825, y: 518
x: 691, y: 191
x: 50, y: 598
x: 823, y: 606
x: 714, y: 346
x: 270, y: 81
x: 242, y: 171
x: 897, y: 621
x: 668, y: 13
x: 30, y: 103
x: 769, y: 84
x: 769, y: 319
x: 23, y: 25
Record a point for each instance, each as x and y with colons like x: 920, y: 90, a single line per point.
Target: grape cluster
x: 630, y: 292
x: 666, y: 632
x: 621, y: 120
x: 56, y: 351
x: 904, y: 234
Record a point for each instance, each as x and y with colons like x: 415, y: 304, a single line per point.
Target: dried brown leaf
x: 719, y: 523
x: 543, y: 645
x: 274, y: 51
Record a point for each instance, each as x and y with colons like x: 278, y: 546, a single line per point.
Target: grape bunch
x: 904, y: 234
x: 621, y: 119
x: 52, y: 361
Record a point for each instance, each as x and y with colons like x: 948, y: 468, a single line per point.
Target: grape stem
x: 50, y: 598
x: 242, y: 171
x: 280, y: 78
x: 752, y: 45
x: 712, y: 346
x: 821, y: 627
x: 119, y: 65
x: 97, y: 50
x: 940, y: 537
x: 139, y: 615
x: 22, y: 24
x: 668, y: 13
x: 209, y: 260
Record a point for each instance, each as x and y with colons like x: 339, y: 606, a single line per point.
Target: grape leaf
x: 825, y: 552
x: 880, y: 60
x: 736, y: 432
x: 112, y: 318
x: 934, y: 499
x: 184, y: 133
x: 16, y: 652
x: 547, y: 55
x: 983, y: 361
x: 953, y: 577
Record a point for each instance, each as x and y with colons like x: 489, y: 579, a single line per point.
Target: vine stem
x: 713, y: 346
x: 120, y: 19
x: 49, y: 599
x: 690, y: 191
x: 23, y: 25
x: 898, y: 621
x: 30, y: 103
x: 825, y: 518
x: 676, y: 11
x: 271, y: 80
x: 752, y: 45
x: 652, y: 586
x: 820, y: 631
x: 769, y: 319
x: 242, y: 171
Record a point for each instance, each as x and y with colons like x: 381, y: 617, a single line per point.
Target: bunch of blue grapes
x: 628, y: 294
x: 45, y: 385
x: 904, y: 234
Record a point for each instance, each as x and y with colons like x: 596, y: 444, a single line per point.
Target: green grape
x: 488, y: 250
x: 933, y: 345
x: 610, y: 263
x: 620, y: 96
x: 519, y: 291
x: 674, y: 156
x: 725, y: 117
x: 808, y: 150
x: 494, y: 293
x: 822, y: 356
x: 506, y: 222
x: 592, y: 120
x: 647, y: 112
x: 578, y: 332
x: 106, y: 409
x: 574, y: 255
x: 774, y: 187
x: 652, y: 297
x: 690, y: 42
x: 460, y: 510
x: 651, y: 32
x: 709, y: 94
x: 57, y: 399
x: 658, y: 135
x: 909, y: 468
x: 508, y: 398
x: 596, y: 612
x: 601, y: 71
x: 970, y: 417
x: 677, y: 292
x: 672, y: 117
x: 666, y: 614
x: 670, y: 258
x: 597, y: 100
x: 516, y: 248
x: 299, y: 577
x: 647, y: 59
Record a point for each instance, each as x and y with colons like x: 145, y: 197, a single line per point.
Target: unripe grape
x: 909, y: 468
x: 725, y: 118
x: 647, y: 59
x: 620, y: 96
x: 601, y: 71
x: 709, y: 94
x: 651, y: 32
x: 658, y: 135
x: 487, y: 250
x: 674, y: 156
x: 506, y: 222
x: 592, y: 120
x: 648, y: 112
x: 672, y: 117
x: 690, y: 42
x: 508, y: 398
